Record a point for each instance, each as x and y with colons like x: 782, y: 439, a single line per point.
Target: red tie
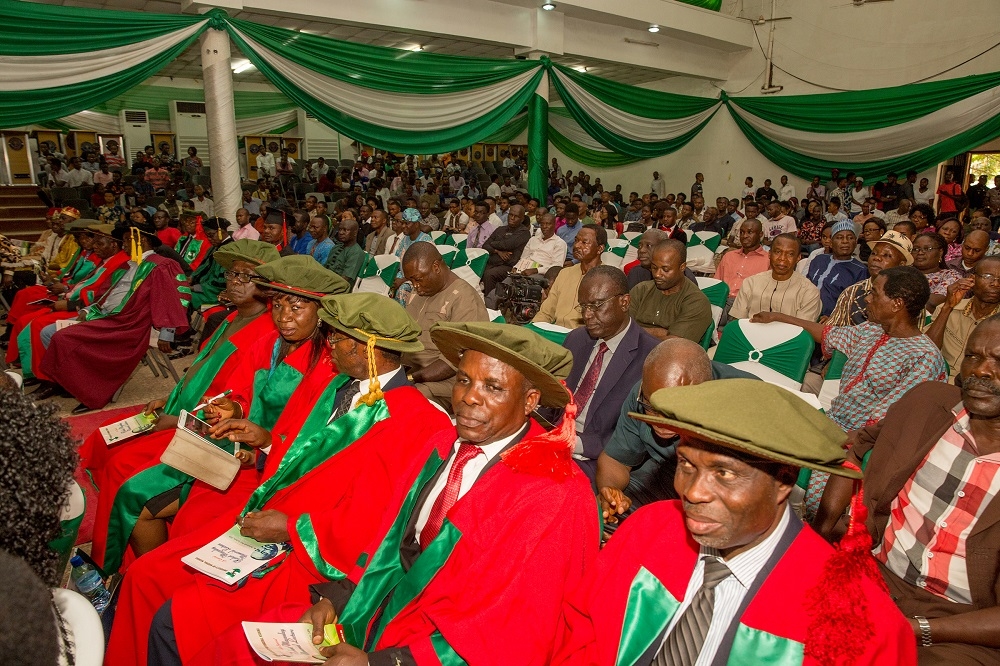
x: 589, y: 383
x: 449, y: 495
x: 395, y: 240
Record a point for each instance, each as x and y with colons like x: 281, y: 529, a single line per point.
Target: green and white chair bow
x: 615, y: 253
x: 448, y: 253
x: 70, y: 520
x: 701, y: 247
x: 831, y: 381
x: 550, y: 332
x: 717, y: 293
x: 470, y: 264
x: 377, y: 274
x: 458, y: 240
x: 777, y: 353
x: 495, y: 316
x: 633, y: 237
x: 441, y: 238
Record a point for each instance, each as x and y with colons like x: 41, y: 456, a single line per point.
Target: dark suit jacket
x: 899, y: 443
x: 623, y: 371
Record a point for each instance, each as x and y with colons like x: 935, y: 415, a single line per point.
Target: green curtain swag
x: 587, y: 156
x: 538, y: 147
x: 508, y: 132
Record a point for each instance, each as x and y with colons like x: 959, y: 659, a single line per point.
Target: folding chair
x: 717, y: 293
x: 319, y: 195
x: 778, y: 353
x: 470, y: 264
x: 377, y: 274
x: 701, y: 251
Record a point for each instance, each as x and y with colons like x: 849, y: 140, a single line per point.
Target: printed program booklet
x: 127, y: 428
x: 232, y: 557
x: 292, y: 642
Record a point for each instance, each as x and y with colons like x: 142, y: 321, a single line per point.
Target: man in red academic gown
x: 95, y: 358
x: 333, y: 510
x: 728, y: 574
x: 499, y: 524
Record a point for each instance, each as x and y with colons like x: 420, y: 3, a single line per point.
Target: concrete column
x: 221, y: 117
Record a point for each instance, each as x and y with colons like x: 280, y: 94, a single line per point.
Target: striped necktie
x: 684, y: 643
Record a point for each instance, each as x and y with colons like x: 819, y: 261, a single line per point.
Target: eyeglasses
x: 597, y: 305
x: 988, y: 277
x: 922, y: 250
x: 643, y: 406
x: 239, y: 278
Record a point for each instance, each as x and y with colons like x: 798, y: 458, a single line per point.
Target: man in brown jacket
x: 932, y: 473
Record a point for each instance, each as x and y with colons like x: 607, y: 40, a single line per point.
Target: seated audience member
x: 209, y: 280
x: 923, y: 218
x: 347, y: 257
x: 665, y: 218
x: 826, y: 242
x: 608, y: 352
x: 669, y: 304
x: 480, y: 228
x: 886, y: 356
x: 171, y: 206
x: 375, y: 243
x: 168, y: 234
x: 638, y: 271
x: 569, y: 229
x: 781, y: 289
x: 505, y: 246
x: 300, y: 239
x: 778, y: 222
x: 193, y: 244
x: 55, y: 248
x: 974, y: 248
x: 321, y: 244
x: 94, y: 358
x: 244, y: 228
x: 455, y: 220
x: 893, y: 249
x: 274, y: 230
x: 730, y: 560
x: 544, y: 251
x: 561, y: 305
x: 929, y: 472
x: 834, y: 272
x: 526, y: 518
x: 709, y: 222
x: 411, y: 234
x: 438, y: 296
x: 953, y: 232
x: 637, y: 466
x: 968, y: 303
x: 810, y: 230
x: 906, y: 228
x: 748, y: 259
x: 928, y: 257
x: 871, y: 230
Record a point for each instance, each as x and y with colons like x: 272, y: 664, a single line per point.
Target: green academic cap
x: 301, y: 275
x: 781, y: 427
x: 251, y: 251
x: 374, y: 317
x: 542, y: 362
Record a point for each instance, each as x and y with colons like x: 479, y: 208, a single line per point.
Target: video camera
x: 519, y: 297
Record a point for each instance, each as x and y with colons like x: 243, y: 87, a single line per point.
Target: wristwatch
x: 925, y: 631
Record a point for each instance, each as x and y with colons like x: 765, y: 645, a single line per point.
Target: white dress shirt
x: 78, y: 178
x: 265, y: 165
x: 206, y: 206
x: 363, y: 386
x: 470, y: 473
x: 730, y: 592
x: 542, y: 254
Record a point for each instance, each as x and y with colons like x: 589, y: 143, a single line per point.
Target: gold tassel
x: 374, y: 388
x: 135, y: 243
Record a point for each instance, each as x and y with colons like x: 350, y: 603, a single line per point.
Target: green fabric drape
x: 32, y: 29
x: 538, y: 147
x: 864, y: 109
x: 510, y: 131
x: 440, y: 141
x: 807, y: 167
x: 156, y: 101
x: 381, y: 68
x: 587, y: 156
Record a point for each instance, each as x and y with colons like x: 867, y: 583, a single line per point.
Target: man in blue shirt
x: 300, y: 239
x: 569, y: 230
x: 321, y: 244
x: 834, y: 272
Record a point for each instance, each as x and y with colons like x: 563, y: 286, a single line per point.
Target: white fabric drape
x: 571, y: 129
x: 401, y: 111
x: 886, y: 142
x: 51, y: 71
x: 635, y: 128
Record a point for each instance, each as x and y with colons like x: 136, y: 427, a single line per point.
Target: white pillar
x: 221, y: 117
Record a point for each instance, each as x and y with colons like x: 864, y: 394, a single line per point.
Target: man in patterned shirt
x: 932, y: 473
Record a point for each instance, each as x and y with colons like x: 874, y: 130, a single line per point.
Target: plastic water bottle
x: 89, y: 583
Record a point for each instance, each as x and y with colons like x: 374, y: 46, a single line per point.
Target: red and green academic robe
x: 354, y: 481
x: 289, y: 400
x: 194, y: 249
x: 130, y: 474
x: 80, y: 266
x: 487, y: 590
x: 95, y: 358
x: 27, y: 344
x: 619, y: 617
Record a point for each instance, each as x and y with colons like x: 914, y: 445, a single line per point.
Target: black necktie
x: 345, y: 397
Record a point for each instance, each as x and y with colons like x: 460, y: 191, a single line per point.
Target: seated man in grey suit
x: 608, y: 352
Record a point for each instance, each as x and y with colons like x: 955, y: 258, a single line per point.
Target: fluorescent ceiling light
x: 654, y: 28
x: 240, y: 66
x: 580, y: 68
x: 548, y: 6
x: 418, y: 47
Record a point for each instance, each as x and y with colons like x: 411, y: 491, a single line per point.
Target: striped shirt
x: 730, y: 592
x: 937, y: 509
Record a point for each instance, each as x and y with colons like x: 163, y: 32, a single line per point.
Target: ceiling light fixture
x: 548, y: 6
x: 654, y: 28
x: 418, y: 47
x: 580, y: 68
x: 241, y: 66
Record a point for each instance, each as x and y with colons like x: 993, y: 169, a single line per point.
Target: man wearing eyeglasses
x: 960, y: 314
x: 608, y: 352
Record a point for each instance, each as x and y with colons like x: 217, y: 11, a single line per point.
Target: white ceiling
x: 188, y: 64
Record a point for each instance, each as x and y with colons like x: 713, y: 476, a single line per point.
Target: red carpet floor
x: 80, y: 427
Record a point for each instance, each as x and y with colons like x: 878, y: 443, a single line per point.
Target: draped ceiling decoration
x: 417, y: 102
